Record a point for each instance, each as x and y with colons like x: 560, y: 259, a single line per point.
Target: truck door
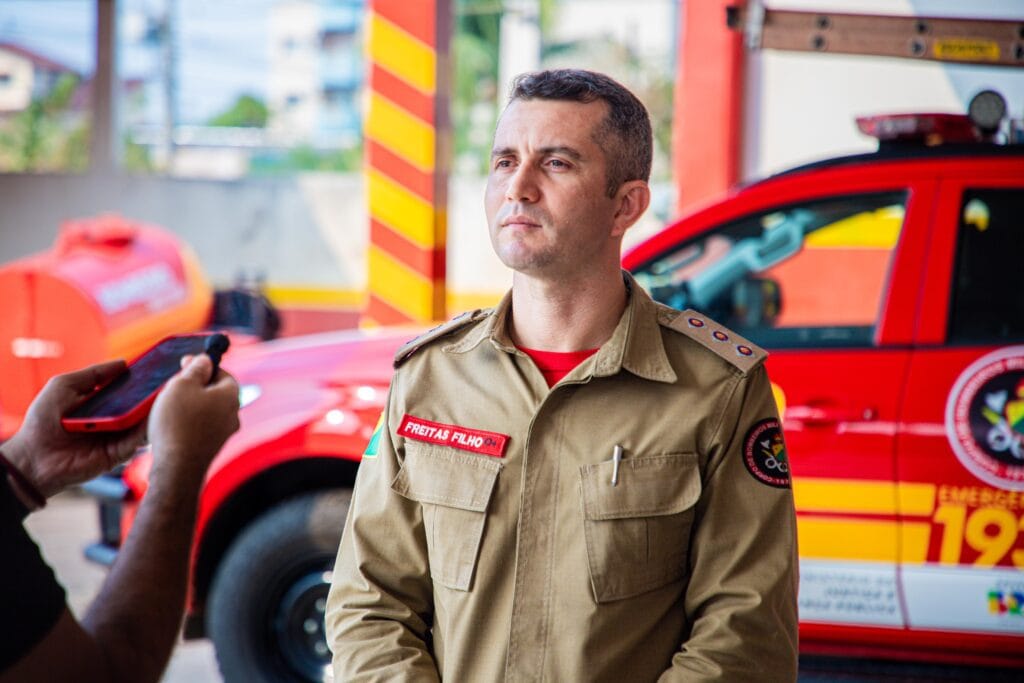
x: 814, y: 282
x: 961, y: 438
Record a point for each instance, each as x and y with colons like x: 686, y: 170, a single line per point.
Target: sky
x: 222, y: 45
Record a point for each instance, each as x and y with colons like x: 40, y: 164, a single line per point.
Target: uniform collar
x: 635, y: 345
x: 493, y: 327
x: 636, y: 342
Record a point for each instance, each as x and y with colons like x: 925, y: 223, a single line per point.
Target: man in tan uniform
x: 580, y: 484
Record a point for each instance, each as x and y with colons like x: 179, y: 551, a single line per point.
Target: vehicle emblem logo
x: 985, y: 418
x: 764, y: 454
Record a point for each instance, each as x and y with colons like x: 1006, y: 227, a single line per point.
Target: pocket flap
x: 445, y: 476
x: 647, y: 487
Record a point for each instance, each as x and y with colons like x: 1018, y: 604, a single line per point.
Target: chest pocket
x: 454, y: 489
x: 638, y: 532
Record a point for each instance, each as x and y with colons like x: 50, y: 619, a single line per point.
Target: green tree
x: 246, y: 112
x: 136, y: 157
x: 475, y: 48
x: 45, y: 136
x: 306, y: 158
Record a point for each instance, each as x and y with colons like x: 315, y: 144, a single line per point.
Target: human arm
x: 31, y: 600
x: 741, y: 598
x: 129, y: 630
x: 378, y: 610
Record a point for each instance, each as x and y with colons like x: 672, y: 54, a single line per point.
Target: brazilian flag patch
x: 371, y: 448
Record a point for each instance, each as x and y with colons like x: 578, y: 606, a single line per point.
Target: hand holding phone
x: 126, y: 400
x: 191, y: 419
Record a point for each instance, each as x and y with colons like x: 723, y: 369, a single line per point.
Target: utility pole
x: 169, y: 59
x: 520, y: 44
x: 103, y: 147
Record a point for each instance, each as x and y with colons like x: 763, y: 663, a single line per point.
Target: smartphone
x: 125, y: 401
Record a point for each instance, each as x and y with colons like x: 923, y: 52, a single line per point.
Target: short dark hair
x: 624, y: 135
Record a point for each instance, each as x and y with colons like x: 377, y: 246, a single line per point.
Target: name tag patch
x: 454, y: 436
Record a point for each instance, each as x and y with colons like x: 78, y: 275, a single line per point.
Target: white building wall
x: 293, y: 83
x: 646, y: 26
x: 16, y: 90
x: 801, y: 106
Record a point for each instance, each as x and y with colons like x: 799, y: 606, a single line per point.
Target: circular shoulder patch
x: 764, y: 454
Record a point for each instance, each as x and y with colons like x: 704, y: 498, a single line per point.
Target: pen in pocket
x: 616, y: 459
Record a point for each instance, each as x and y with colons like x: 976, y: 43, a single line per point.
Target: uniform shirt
x: 32, y: 600
x: 486, y: 541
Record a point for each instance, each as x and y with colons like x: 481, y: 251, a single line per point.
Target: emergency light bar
x: 928, y: 129
x: 985, y: 114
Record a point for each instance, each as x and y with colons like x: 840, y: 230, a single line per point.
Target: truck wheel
x: 265, y: 612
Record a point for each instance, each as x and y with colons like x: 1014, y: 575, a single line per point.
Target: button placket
x: 531, y: 618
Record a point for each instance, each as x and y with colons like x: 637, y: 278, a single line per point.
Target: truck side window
x: 804, y: 275
x: 987, y: 298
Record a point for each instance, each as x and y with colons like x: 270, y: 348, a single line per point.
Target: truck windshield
x: 801, y: 275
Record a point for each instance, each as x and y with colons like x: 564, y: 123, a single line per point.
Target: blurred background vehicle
x: 108, y: 288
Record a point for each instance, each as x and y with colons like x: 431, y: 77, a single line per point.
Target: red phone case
x: 169, y: 360
x: 115, y: 423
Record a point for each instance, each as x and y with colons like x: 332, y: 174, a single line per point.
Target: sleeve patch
x: 371, y: 448
x: 764, y: 454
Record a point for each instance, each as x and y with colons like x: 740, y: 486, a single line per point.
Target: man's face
x: 547, y: 206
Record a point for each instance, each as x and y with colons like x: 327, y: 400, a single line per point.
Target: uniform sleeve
x: 379, y: 609
x: 741, y: 599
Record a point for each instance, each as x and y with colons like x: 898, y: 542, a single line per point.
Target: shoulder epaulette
x: 435, y: 333
x: 738, y: 351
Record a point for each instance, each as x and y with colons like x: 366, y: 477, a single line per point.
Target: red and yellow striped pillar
x: 407, y: 158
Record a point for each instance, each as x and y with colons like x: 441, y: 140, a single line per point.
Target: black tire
x: 266, y: 604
